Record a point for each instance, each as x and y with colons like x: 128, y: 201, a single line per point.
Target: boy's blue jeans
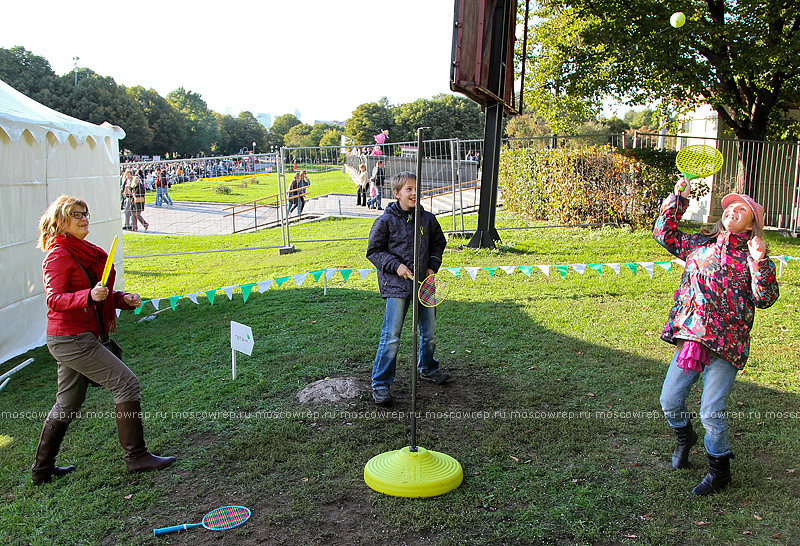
x: 384, y: 367
x: 718, y: 380
x: 159, y: 196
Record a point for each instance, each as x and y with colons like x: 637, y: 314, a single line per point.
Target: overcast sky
x: 321, y: 57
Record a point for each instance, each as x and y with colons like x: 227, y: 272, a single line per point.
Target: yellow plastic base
x: 404, y: 473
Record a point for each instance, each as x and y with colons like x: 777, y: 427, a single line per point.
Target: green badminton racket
x: 698, y: 161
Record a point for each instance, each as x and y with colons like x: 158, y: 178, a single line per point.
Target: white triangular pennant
x: 580, y: 268
x: 544, y: 269
x: 666, y: 266
x: 300, y: 278
x: 782, y: 259
x: 228, y: 291
x: 263, y: 286
x: 648, y: 266
x: 118, y: 312
x: 509, y: 269
x: 364, y: 273
x: 679, y: 262
x: 615, y: 267
x: 473, y: 271
x: 193, y: 297
x: 330, y: 272
x: 155, y: 302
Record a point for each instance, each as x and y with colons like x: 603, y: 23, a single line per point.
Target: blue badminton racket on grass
x: 219, y: 519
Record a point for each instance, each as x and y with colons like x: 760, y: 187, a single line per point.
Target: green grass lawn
x: 553, y: 410
x: 243, y: 189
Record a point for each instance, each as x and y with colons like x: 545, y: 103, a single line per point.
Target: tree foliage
x: 31, y: 75
x: 367, y: 120
x: 742, y: 58
x: 201, y: 127
x: 165, y: 122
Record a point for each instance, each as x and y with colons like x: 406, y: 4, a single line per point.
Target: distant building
x: 297, y: 114
x: 265, y: 120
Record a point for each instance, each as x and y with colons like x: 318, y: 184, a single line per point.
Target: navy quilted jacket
x: 391, y: 242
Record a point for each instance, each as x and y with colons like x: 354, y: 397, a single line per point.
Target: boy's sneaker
x: 437, y: 376
x: 382, y: 396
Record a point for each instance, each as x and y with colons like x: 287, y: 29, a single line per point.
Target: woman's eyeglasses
x: 78, y: 214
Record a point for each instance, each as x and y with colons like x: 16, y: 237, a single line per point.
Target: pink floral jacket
x: 720, y: 288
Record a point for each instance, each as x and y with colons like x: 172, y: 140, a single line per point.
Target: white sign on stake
x: 242, y: 341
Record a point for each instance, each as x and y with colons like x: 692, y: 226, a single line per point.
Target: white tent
x: 44, y: 154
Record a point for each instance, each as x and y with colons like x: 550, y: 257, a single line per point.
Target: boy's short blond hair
x: 401, y: 179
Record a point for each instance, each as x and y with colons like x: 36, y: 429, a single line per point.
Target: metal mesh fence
x: 271, y: 194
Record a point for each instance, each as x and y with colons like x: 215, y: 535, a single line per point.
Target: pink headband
x: 755, y: 208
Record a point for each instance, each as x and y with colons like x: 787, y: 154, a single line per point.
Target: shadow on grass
x: 561, y: 439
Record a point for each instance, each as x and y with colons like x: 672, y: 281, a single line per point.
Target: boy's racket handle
x: 174, y: 528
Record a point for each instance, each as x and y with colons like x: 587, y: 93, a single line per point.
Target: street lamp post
x: 76, y: 59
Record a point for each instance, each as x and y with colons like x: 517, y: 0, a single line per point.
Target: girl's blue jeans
x: 385, y: 365
x: 718, y: 380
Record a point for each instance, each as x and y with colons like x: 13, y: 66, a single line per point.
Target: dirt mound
x: 331, y: 389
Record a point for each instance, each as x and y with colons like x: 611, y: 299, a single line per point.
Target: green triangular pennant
x: 631, y: 266
x: 562, y: 269
x: 596, y: 267
x: 246, y: 288
x: 454, y: 270
x: 526, y: 269
x: 281, y: 280
x: 317, y: 274
x: 345, y: 273
x: 211, y: 294
x: 138, y: 310
x: 173, y: 300
x: 490, y: 270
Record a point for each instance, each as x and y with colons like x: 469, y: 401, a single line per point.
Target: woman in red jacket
x: 76, y: 308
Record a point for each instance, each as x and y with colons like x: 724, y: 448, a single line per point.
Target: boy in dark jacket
x: 391, y: 250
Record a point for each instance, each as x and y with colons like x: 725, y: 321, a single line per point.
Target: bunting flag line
x: 328, y: 273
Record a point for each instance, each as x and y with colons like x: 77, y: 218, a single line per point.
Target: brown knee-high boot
x: 131, y: 437
x: 49, y: 443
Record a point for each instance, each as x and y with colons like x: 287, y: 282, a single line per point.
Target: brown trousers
x: 80, y: 358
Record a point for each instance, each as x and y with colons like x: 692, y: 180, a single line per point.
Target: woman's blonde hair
x: 55, y: 219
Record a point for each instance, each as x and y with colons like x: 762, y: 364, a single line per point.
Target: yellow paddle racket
x: 698, y: 161
x: 109, y: 261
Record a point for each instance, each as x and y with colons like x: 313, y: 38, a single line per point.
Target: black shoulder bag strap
x: 103, y: 333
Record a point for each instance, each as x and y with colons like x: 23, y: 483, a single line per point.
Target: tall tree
x: 98, y: 99
x: 280, y: 127
x: 31, y: 75
x: 369, y: 119
x: 740, y: 57
x: 163, y: 119
x: 447, y: 116
x: 200, y: 124
x: 251, y: 131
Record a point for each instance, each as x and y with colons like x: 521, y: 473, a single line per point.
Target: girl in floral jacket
x: 727, y: 275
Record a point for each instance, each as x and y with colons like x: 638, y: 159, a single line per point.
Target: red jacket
x: 70, y: 309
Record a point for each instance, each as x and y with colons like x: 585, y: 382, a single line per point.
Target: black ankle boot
x: 719, y: 475
x: 687, y: 438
